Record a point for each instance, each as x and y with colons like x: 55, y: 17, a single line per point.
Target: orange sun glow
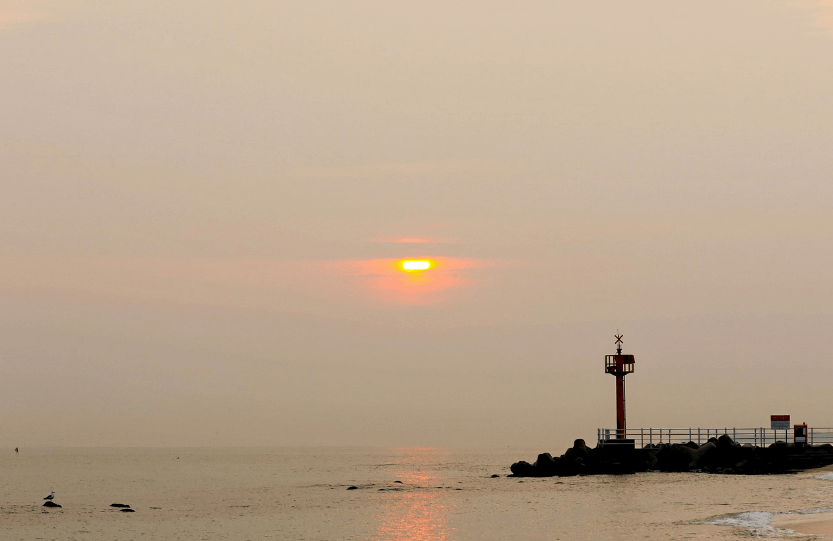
x: 415, y: 280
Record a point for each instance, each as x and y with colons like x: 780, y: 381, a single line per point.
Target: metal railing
x: 756, y: 436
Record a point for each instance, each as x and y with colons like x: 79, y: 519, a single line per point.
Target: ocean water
x: 415, y: 494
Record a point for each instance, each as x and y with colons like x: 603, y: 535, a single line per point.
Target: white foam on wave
x: 811, y: 511
x: 756, y: 524
x: 759, y: 523
x: 749, y: 519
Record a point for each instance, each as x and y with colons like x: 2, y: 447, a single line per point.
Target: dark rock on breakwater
x: 718, y: 455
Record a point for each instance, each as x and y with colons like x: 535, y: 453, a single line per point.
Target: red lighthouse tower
x: 619, y: 365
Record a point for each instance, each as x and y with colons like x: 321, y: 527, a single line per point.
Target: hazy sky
x: 202, y: 203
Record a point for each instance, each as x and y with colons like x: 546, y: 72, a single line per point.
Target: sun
x: 412, y: 265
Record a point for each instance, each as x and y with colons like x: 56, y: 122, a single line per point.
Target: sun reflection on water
x: 419, y: 511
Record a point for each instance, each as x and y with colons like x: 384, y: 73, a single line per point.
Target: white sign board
x: 779, y: 422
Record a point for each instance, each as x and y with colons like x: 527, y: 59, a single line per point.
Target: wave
x: 756, y: 524
x: 749, y: 519
x: 759, y: 523
x: 811, y: 511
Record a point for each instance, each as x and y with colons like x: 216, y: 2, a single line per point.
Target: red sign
x: 779, y: 422
x: 779, y: 417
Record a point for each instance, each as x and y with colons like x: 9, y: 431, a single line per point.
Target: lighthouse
x: 620, y: 366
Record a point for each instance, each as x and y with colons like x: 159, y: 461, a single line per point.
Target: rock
x: 546, y: 465
x: 685, y: 457
x: 400, y: 482
x: 352, y: 487
x: 580, y: 448
x: 127, y: 510
x: 119, y: 505
x: 673, y: 458
x: 50, y: 503
x: 725, y: 441
x: 523, y: 469
x: 680, y: 457
x: 494, y: 475
x: 719, y: 455
x: 701, y: 457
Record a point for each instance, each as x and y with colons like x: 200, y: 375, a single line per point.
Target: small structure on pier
x: 620, y: 366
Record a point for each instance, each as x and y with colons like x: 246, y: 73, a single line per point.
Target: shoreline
x: 820, y: 524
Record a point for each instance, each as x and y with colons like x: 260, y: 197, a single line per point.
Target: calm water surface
x: 414, y: 494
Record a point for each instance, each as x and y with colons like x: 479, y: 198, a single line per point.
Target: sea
x: 414, y: 493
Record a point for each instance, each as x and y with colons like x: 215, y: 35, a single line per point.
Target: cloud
x: 412, y: 240
x: 826, y: 13
x: 823, y: 11
x: 9, y: 19
x: 252, y: 283
x: 384, y: 280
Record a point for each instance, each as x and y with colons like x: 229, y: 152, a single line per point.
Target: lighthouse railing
x: 757, y: 436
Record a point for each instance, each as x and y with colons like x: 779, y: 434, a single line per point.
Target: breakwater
x: 718, y: 455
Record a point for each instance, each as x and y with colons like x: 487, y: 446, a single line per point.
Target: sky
x: 204, y: 206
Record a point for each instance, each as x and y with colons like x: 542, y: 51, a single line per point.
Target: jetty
x: 778, y: 449
x: 717, y: 455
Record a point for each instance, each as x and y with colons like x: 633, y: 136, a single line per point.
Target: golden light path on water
x: 420, y: 512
